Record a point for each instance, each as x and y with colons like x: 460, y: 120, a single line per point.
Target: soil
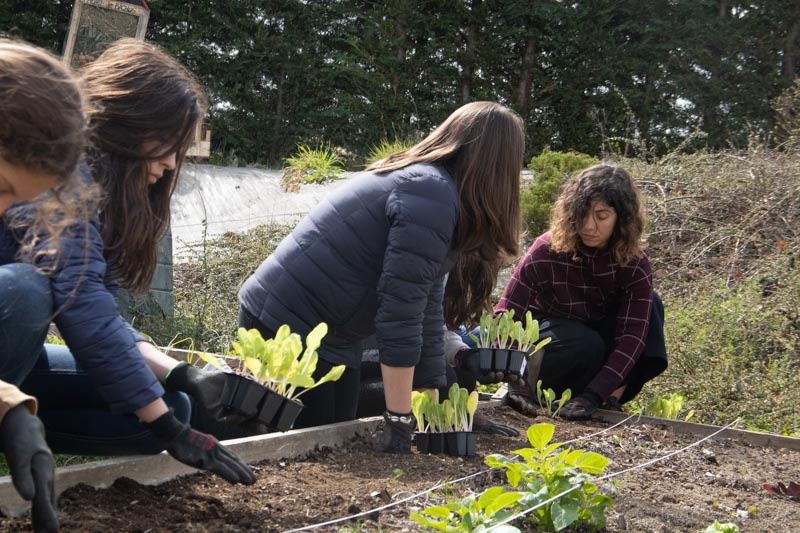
x: 685, y: 493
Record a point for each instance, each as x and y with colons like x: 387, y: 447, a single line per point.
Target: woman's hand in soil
x: 581, y: 407
x: 193, y: 448
x: 31, y: 464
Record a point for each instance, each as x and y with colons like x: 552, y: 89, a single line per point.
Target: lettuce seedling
x: 455, y: 413
x: 546, y: 399
x: 281, y: 363
x: 501, y: 331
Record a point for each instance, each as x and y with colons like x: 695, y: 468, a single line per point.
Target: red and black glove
x: 581, y: 407
x: 31, y: 464
x: 199, y: 450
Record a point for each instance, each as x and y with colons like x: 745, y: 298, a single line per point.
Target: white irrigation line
x: 612, y: 475
x: 596, y: 433
x: 438, y: 486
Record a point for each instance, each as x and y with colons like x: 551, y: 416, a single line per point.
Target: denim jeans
x: 25, y: 309
x: 76, y: 418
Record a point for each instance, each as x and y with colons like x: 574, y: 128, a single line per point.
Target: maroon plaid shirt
x: 586, y: 288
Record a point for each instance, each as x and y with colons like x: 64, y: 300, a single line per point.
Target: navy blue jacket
x: 87, y: 316
x: 370, y: 258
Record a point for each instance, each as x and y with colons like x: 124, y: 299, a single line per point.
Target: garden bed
x: 687, y: 492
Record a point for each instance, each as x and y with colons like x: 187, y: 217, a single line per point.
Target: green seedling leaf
x: 472, y: 406
x: 591, y: 462
x: 540, y: 434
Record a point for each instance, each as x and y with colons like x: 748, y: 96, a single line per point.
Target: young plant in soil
x: 546, y: 471
x: 547, y: 399
x: 470, y: 514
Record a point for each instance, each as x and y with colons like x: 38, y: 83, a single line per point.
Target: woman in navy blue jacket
x: 371, y: 258
x: 144, y: 107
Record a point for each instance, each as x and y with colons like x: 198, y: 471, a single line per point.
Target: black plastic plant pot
x: 433, y: 443
x: 486, y: 359
x: 279, y: 412
x: 461, y: 443
x: 422, y: 441
x: 242, y: 395
x: 501, y: 360
x: 516, y: 362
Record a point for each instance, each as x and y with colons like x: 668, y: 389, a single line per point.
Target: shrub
x: 550, y: 170
x: 311, y: 165
x: 387, y: 148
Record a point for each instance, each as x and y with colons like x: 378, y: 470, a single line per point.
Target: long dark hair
x: 139, y: 95
x: 483, y: 144
x: 612, y: 185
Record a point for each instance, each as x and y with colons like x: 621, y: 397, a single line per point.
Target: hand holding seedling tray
x: 276, y: 374
x: 504, y: 344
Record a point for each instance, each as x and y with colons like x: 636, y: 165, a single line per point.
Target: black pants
x: 331, y: 402
x: 579, y: 350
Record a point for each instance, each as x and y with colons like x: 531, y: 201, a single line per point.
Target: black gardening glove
x: 469, y: 360
x: 518, y: 398
x: 484, y: 425
x: 199, y: 450
x: 396, y: 434
x: 31, y: 464
x: 581, y: 407
x: 205, y: 387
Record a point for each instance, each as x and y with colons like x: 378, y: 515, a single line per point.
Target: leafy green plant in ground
x: 547, y: 399
x: 472, y: 514
x: 717, y: 527
x: 387, y: 148
x: 547, y: 470
x: 311, y: 165
x: 667, y: 406
x: 550, y: 170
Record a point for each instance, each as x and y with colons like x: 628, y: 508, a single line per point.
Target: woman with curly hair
x: 590, y: 285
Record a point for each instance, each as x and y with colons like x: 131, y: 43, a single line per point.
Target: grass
x: 725, y: 248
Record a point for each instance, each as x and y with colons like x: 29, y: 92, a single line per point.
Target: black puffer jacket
x: 369, y: 259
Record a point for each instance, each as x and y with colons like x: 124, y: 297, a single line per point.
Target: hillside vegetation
x: 723, y: 237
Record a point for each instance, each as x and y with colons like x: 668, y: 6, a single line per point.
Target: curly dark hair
x: 608, y: 183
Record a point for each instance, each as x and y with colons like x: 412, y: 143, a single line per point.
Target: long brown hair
x: 482, y: 143
x: 44, y: 128
x: 612, y: 185
x: 139, y: 95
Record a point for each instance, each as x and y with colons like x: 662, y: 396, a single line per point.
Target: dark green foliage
x: 624, y: 76
x: 550, y: 170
